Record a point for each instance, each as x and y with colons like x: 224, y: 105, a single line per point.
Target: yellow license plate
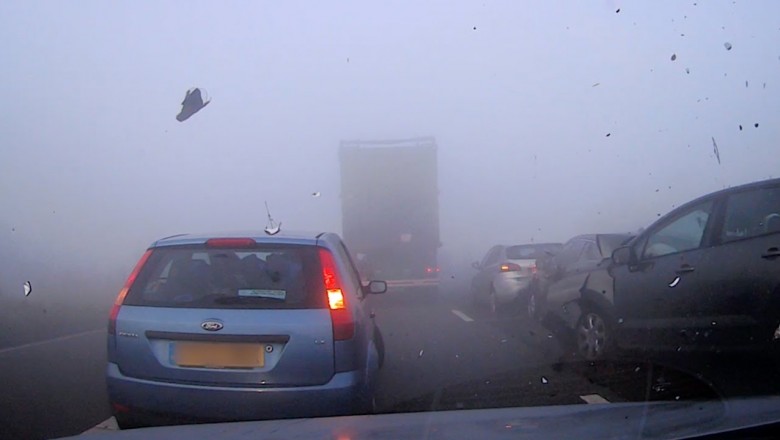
x: 218, y: 355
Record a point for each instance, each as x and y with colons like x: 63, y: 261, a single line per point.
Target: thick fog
x: 552, y: 119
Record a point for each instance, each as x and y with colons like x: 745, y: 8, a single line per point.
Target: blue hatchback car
x: 242, y: 327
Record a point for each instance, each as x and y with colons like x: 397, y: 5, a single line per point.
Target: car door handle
x: 685, y: 269
x: 771, y: 253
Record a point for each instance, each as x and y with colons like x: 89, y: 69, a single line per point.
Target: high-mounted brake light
x: 343, y: 323
x: 231, y: 243
x: 123, y: 293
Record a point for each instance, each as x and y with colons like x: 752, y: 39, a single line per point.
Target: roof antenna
x: 272, y: 228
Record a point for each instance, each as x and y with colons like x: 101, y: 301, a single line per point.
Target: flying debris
x: 272, y: 228
x: 27, y: 288
x: 727, y: 45
x: 193, y: 103
x: 715, y: 150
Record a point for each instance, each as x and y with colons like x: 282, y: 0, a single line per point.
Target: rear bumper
x: 510, y: 287
x: 147, y: 398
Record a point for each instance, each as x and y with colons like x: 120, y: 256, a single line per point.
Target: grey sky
x: 90, y: 147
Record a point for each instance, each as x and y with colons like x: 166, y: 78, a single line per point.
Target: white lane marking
x: 461, y: 315
x: 61, y: 338
x: 106, y: 425
x: 593, y: 398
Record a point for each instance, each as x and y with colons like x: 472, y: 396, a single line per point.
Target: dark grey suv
x: 705, y: 276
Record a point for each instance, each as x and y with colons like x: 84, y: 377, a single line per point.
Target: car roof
x: 283, y: 237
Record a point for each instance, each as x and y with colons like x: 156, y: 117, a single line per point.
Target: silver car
x: 241, y: 327
x: 506, y: 273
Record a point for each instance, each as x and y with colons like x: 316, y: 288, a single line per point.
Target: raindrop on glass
x: 544, y: 380
x: 27, y: 286
x: 727, y: 45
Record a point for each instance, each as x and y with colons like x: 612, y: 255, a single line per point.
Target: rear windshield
x: 528, y: 251
x: 259, y: 278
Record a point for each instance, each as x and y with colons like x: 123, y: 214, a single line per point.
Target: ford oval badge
x: 211, y: 326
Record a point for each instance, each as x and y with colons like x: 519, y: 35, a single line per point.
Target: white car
x: 506, y: 273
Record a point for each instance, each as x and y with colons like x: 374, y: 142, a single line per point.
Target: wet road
x: 441, y: 353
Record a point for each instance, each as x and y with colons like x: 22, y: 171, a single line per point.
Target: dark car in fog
x: 559, y: 288
x: 506, y: 273
x: 706, y: 276
x: 242, y: 327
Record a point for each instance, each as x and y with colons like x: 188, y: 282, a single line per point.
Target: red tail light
x: 119, y: 408
x: 510, y: 267
x: 123, y: 293
x: 432, y: 270
x: 343, y: 324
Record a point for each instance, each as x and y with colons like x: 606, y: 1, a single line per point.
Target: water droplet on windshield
x: 419, y: 355
x: 687, y: 70
x: 727, y: 45
x: 27, y: 288
x: 544, y: 380
x: 636, y: 370
x: 714, y: 323
x: 315, y: 194
x: 676, y: 397
x: 674, y: 56
x: 549, y: 336
x: 756, y: 125
x: 740, y: 127
x: 609, y: 134
x: 620, y: 320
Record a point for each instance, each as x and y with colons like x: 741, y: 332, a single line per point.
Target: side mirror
x: 476, y: 265
x: 376, y: 287
x: 624, y: 255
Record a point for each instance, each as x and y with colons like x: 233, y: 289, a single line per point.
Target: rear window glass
x: 530, y: 251
x: 258, y: 278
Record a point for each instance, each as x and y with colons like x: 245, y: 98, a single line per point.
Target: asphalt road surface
x: 442, y: 353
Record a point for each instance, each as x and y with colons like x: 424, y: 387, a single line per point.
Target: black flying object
x: 193, y: 102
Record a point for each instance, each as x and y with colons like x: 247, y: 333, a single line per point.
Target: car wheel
x: 593, y: 335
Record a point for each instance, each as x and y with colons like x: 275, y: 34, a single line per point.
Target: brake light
x: 231, y: 243
x: 510, y: 267
x: 119, y: 408
x: 432, y: 269
x: 343, y: 324
x: 123, y: 293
